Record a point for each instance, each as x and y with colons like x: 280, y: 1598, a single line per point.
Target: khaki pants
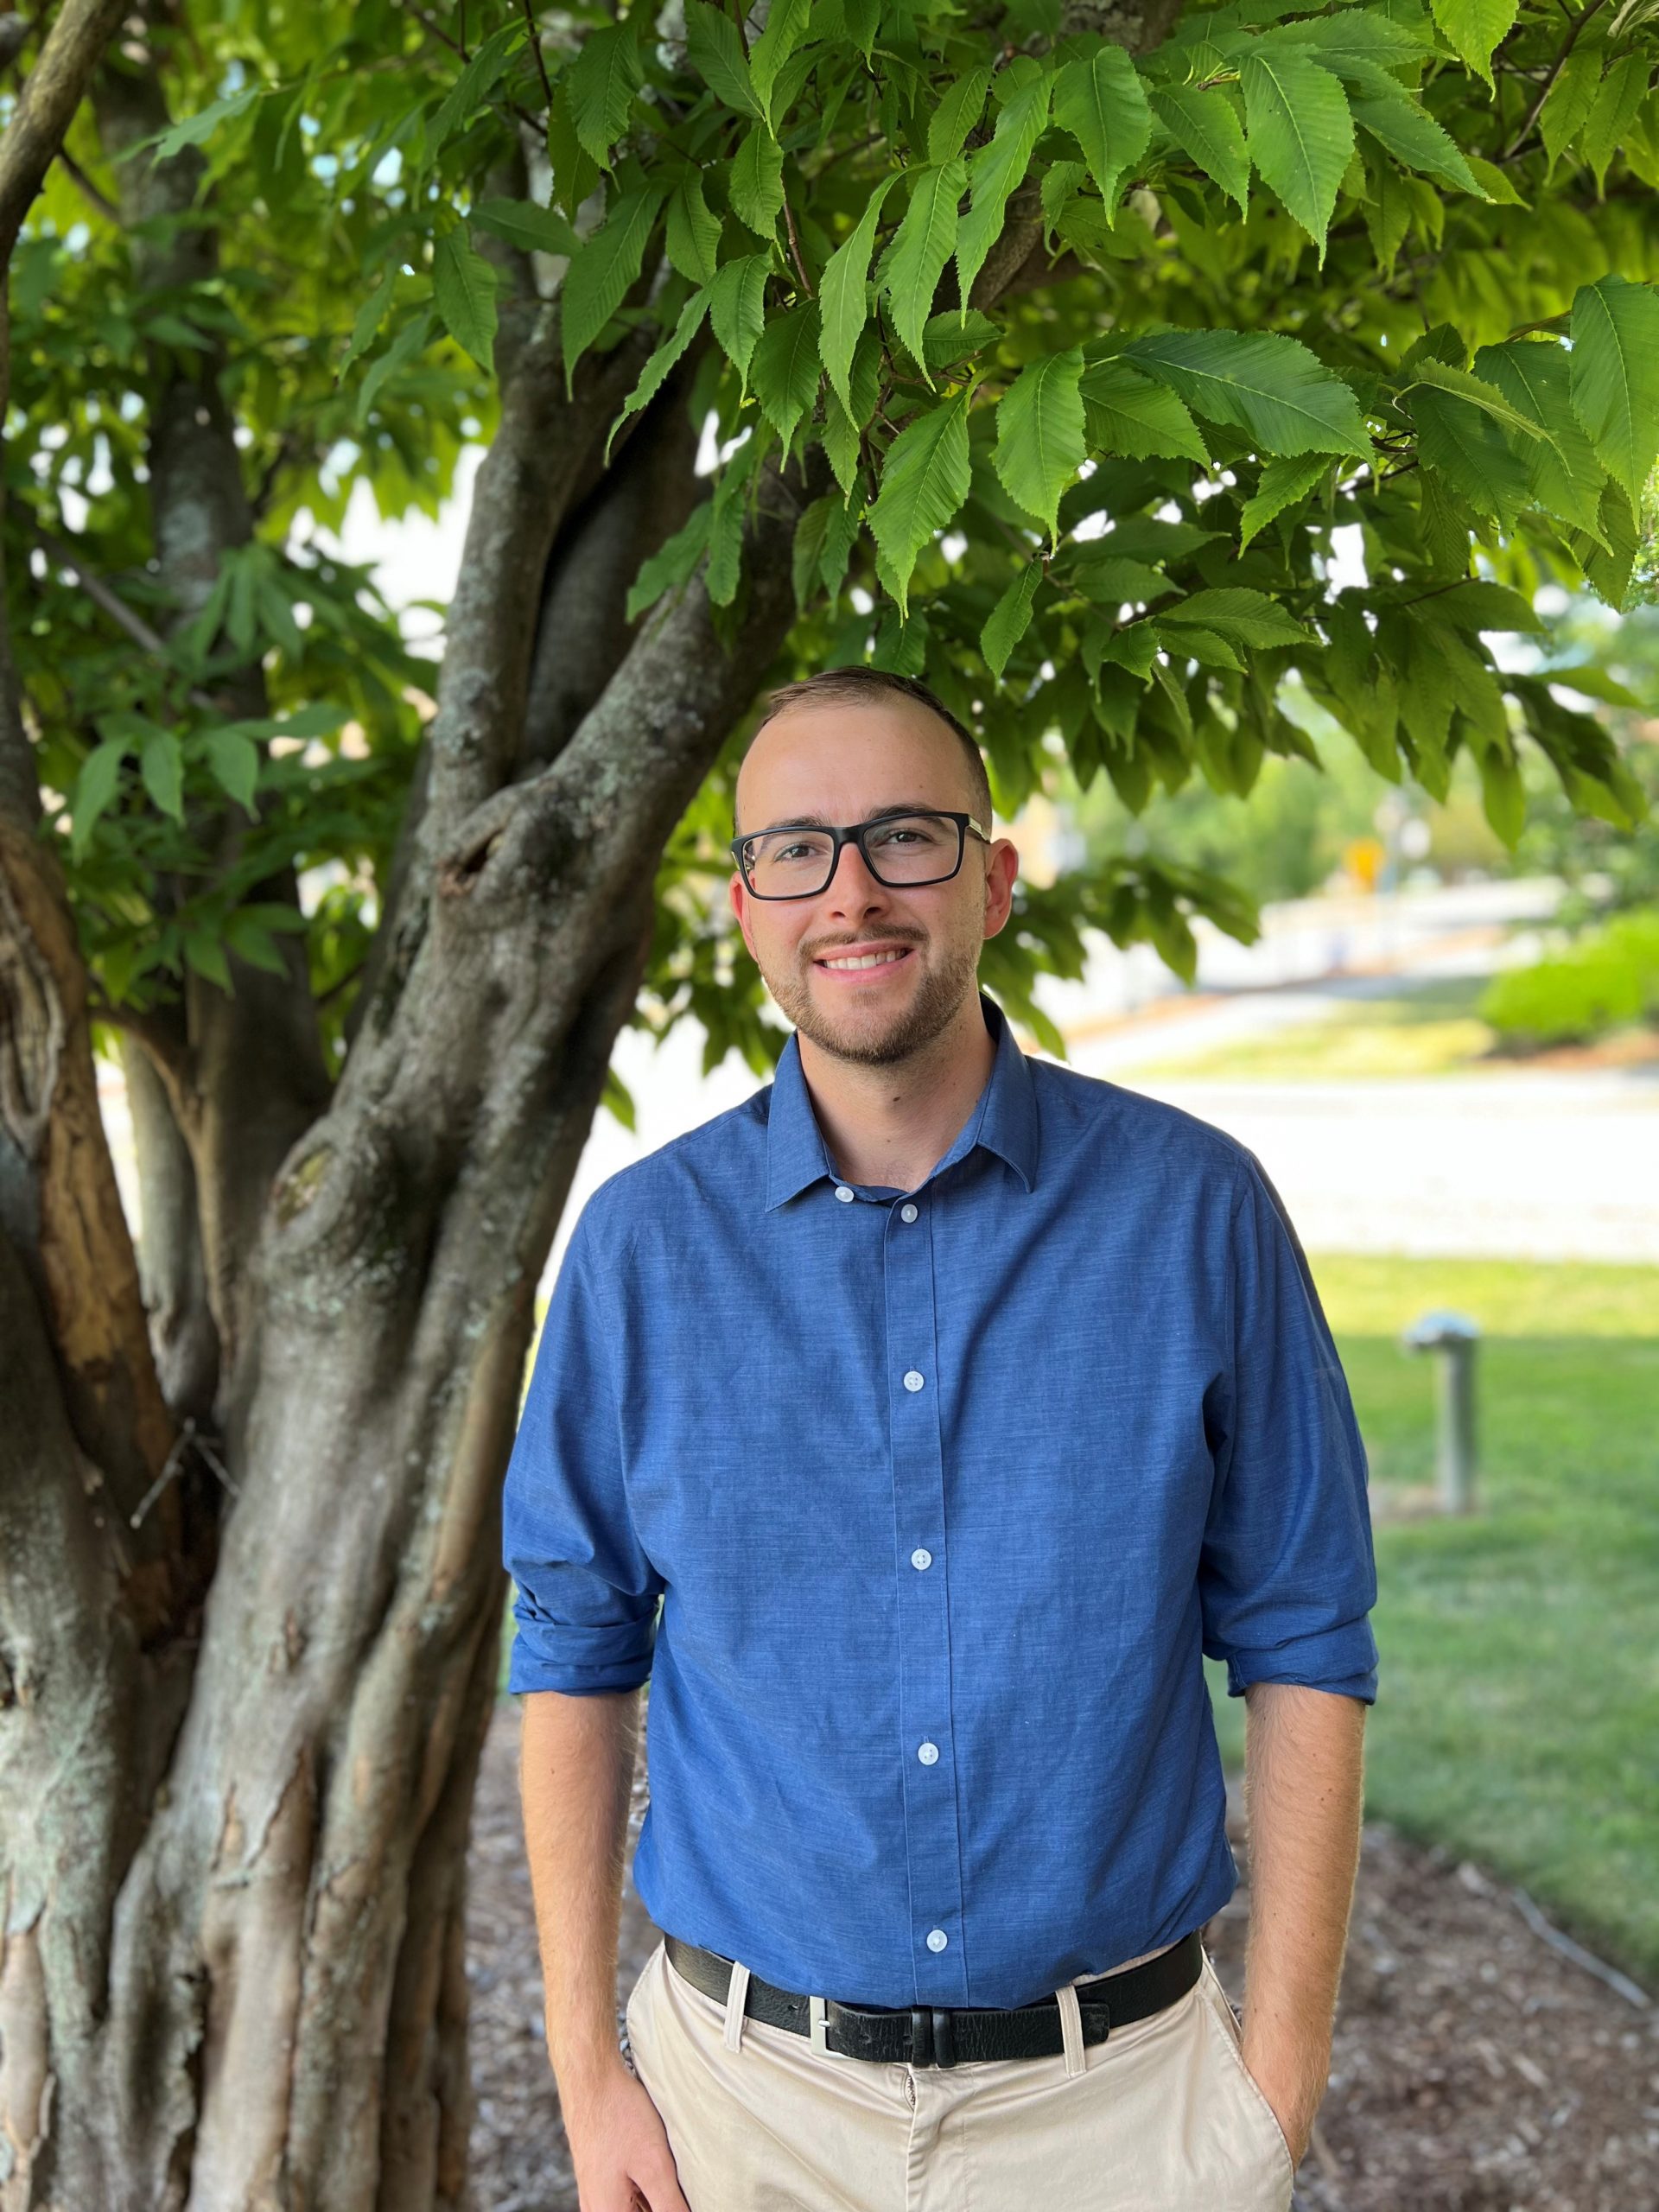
x: 1161, y: 2117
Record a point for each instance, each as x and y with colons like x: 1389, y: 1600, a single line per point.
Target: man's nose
x: 851, y: 884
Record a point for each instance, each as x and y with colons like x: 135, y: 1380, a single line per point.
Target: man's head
x: 843, y: 747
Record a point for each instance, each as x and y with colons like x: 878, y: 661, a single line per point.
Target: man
x: 955, y: 1404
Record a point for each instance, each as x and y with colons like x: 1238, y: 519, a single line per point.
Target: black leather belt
x: 937, y: 2035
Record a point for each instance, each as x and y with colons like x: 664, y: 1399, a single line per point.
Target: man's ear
x: 1001, y: 869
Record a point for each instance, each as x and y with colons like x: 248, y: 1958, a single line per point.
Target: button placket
x: 925, y: 1744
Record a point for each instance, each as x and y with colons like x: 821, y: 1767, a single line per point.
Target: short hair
x: 859, y: 681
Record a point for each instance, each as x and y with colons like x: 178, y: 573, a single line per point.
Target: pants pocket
x: 1255, y: 2097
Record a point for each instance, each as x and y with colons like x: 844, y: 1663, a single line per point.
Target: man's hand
x: 620, y: 2146
x: 1295, y: 2104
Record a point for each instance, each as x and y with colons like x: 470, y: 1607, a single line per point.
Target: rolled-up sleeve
x: 585, y: 1594
x: 1287, y: 1574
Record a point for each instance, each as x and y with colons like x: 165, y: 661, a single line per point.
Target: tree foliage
x: 1096, y: 339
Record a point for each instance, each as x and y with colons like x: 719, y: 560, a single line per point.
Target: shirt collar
x: 1004, y: 1122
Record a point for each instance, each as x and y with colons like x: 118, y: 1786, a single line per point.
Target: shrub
x: 1611, y: 976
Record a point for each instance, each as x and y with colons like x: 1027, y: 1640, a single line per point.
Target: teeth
x: 864, y: 960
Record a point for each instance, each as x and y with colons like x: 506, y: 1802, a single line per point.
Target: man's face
x: 844, y: 761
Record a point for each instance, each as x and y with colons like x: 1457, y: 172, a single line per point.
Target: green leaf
x: 718, y: 56
x: 1478, y: 605
x: 692, y: 239
x: 863, y: 19
x: 994, y: 171
x: 806, y: 549
x: 842, y: 294
x: 950, y: 336
x: 1101, y: 103
x: 1128, y: 413
x: 197, y: 129
x: 532, y: 228
x: 1412, y: 136
x: 1204, y: 124
x: 1010, y: 618
x: 1615, y: 376
x: 1283, y: 483
x: 1039, y: 434
x: 1474, y: 28
x: 841, y: 439
x: 405, y: 347
x: 924, y: 479
x: 161, y: 764
x: 1504, y: 796
x: 234, y: 760
x: 601, y: 272
x: 1302, y: 133
x: 1572, y: 96
x: 575, y: 170
x: 1112, y: 579
x: 657, y: 368
x: 1256, y: 381
x: 956, y: 115
x: 95, y: 789
x: 726, y: 526
x: 600, y: 87
x: 785, y: 28
x: 1624, y: 93
x: 1565, y: 477
x: 463, y: 283
x: 672, y: 564
x: 923, y: 242
x: 474, y: 85
x: 370, y: 317
x: 737, y: 308
x: 785, y: 368
x: 1458, y: 438
x: 758, y: 181
x: 1234, y: 612
x: 205, y: 954
x: 1360, y: 39
x: 1426, y: 369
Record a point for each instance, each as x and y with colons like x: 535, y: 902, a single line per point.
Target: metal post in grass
x: 1453, y: 1336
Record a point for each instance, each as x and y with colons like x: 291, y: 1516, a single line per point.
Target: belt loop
x: 736, y: 1999
x: 1071, y: 2029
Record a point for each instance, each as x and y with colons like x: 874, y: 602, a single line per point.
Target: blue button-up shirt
x: 944, y: 1493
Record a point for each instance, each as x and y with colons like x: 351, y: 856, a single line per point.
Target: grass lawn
x: 1517, y: 1715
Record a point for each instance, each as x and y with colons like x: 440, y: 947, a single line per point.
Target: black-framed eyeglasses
x: 900, y: 850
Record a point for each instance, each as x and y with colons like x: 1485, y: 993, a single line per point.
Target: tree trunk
x: 236, y: 1811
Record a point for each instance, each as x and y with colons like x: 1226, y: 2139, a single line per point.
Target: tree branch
x: 49, y: 99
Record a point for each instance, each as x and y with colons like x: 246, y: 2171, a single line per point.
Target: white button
x: 920, y: 1557
x: 928, y: 1754
x: 907, y: 1213
x: 913, y: 1381
x: 843, y: 1194
x: 937, y: 1939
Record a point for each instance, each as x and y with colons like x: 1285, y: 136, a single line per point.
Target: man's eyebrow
x: 822, y: 821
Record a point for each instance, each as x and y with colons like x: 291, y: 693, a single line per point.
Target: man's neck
x: 892, y: 1126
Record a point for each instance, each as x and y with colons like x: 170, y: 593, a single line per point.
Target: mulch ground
x: 1476, y: 2068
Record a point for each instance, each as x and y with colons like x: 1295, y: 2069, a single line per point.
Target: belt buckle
x: 817, y: 2014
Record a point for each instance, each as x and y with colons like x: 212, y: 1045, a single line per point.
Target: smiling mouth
x: 847, y: 963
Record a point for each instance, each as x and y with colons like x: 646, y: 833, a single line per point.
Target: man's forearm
x: 1303, y: 1792
x: 575, y: 1773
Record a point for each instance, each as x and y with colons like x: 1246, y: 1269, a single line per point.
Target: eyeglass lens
x: 906, y: 848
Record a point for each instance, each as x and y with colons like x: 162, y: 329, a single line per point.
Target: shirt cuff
x: 1342, y: 1660
x: 581, y: 1661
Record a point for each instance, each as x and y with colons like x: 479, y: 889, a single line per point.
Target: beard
x: 873, y: 1040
